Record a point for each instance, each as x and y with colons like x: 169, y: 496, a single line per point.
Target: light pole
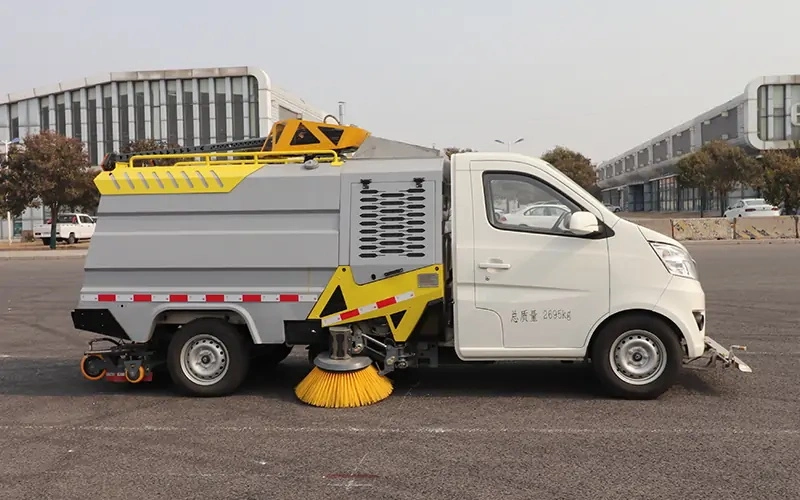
x: 509, y: 144
x: 9, y: 226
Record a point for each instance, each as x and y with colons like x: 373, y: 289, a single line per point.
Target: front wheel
x: 208, y: 357
x: 637, y: 357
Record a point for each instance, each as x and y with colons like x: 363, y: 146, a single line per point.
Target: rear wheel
x: 637, y: 357
x: 208, y: 357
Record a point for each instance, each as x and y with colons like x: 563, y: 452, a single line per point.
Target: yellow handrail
x: 248, y: 158
x: 250, y: 162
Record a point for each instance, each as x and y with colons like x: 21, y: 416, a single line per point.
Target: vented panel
x: 392, y: 223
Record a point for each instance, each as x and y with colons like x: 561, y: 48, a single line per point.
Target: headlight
x: 676, y: 260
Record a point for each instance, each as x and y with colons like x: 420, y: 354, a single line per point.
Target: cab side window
x: 516, y: 202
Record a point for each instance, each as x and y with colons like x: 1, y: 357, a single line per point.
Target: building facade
x: 187, y: 107
x: 765, y: 116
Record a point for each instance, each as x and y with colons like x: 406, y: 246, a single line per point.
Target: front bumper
x: 717, y: 353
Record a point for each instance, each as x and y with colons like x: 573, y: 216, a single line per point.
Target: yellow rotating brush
x: 341, y: 381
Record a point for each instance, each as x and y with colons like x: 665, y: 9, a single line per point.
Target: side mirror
x: 728, y: 208
x: 583, y: 223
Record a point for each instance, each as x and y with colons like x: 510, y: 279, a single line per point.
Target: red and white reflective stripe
x: 204, y: 297
x: 352, y: 313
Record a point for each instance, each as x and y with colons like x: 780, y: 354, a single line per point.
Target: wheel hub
x: 204, y: 360
x: 93, y: 367
x: 638, y: 357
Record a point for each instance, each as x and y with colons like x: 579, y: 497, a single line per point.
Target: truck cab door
x: 544, y: 287
x: 85, y: 227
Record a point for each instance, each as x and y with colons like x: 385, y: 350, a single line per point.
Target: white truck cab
x: 590, y: 284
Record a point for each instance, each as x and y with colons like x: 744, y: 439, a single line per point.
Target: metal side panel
x: 266, y: 250
x: 279, y: 217
x: 391, y: 224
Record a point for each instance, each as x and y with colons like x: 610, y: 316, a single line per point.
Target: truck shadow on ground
x: 48, y: 377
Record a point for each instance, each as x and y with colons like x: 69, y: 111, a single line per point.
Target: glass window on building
x: 668, y: 194
x: 252, y: 99
x: 61, y: 114
x: 155, y: 110
x: 774, y: 113
x: 686, y: 199
x: 30, y: 121
x: 4, y: 119
x: 14, y: 132
x: 795, y: 100
x: 220, y: 110
x: 91, y: 121
x: 75, y: 114
x: 779, y: 112
x: 44, y: 113
x: 205, y: 111
x: 762, y: 112
x: 140, y: 126
x: 172, y: 111
x: 108, y: 120
x: 237, y: 108
x: 188, y: 112
x: 647, y: 196
x: 124, y: 116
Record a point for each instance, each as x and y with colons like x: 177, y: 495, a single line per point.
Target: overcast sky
x: 597, y: 76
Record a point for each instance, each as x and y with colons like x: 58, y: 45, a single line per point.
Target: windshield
x: 65, y: 219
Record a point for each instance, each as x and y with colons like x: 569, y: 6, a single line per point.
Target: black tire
x: 71, y: 239
x: 222, y: 343
x: 644, y: 334
x: 46, y: 241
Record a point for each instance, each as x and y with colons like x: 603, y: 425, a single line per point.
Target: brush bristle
x: 343, y: 389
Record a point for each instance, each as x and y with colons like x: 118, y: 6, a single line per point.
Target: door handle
x: 494, y: 265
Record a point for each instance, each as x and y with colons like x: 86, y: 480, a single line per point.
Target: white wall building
x: 644, y: 178
x: 186, y: 106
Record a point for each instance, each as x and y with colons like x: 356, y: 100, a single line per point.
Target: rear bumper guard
x: 718, y: 354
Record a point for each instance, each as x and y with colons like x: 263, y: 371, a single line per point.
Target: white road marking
x: 139, y: 473
x: 352, y: 482
x: 408, y: 430
x: 59, y: 359
x: 743, y: 354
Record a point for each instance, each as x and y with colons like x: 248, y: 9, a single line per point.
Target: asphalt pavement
x: 516, y: 430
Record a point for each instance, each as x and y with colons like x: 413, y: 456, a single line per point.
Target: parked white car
x: 543, y: 215
x: 71, y: 228
x: 752, y: 207
x: 613, y: 208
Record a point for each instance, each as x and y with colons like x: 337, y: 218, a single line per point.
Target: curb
x: 42, y: 254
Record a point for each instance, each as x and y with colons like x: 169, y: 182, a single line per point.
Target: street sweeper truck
x: 231, y: 256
